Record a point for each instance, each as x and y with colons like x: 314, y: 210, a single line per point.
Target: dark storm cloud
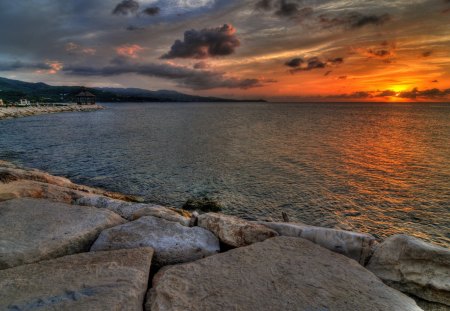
x: 353, y: 20
x: 299, y: 64
x: 184, y: 76
x: 208, y: 42
x: 126, y: 7
x: 152, y: 11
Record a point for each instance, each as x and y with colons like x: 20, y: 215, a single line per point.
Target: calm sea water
x: 377, y: 168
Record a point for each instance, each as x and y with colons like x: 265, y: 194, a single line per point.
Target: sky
x: 278, y: 50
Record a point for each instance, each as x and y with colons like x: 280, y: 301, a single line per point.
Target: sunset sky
x: 280, y: 50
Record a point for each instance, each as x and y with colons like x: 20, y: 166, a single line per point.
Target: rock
x: 357, y: 246
x: 33, y: 230
x: 172, y: 242
x: 234, y: 231
x: 281, y: 273
x: 414, y: 267
x: 115, y: 280
x: 133, y: 211
x: 161, y: 212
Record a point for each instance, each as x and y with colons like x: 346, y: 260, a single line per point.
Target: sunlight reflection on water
x: 378, y: 168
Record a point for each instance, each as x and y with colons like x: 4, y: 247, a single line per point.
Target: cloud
x: 426, y: 94
x: 126, y: 7
x: 353, y: 20
x: 435, y: 81
x: 414, y: 94
x: 201, y: 65
x: 264, y: 5
x: 284, y: 8
x: 47, y: 67
x: 295, y: 62
x: 129, y: 50
x: 208, y: 42
x: 184, y: 76
x: 299, y: 64
x: 342, y: 78
x: 427, y: 53
x: 385, y: 52
x: 151, y: 11
x: 134, y: 28
x: 17, y: 65
x: 74, y: 48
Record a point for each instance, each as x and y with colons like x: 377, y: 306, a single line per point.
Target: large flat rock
x: 172, y: 242
x: 234, y: 231
x: 115, y: 280
x: 281, y: 273
x: 357, y: 246
x: 414, y: 266
x: 32, y: 230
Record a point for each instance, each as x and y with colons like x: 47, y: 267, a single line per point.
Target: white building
x: 24, y: 102
x: 1, y: 102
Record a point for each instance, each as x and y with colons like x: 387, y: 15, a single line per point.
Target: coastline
x: 20, y: 112
x: 130, y: 226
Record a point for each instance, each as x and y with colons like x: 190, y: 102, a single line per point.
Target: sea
x: 380, y: 168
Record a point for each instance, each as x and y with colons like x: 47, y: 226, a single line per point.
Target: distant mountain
x: 14, y: 90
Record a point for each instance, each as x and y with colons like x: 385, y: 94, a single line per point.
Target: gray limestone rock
x: 115, y: 280
x: 32, y: 230
x: 281, y: 273
x: 172, y: 242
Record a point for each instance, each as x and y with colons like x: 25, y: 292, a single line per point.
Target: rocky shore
x: 19, y: 112
x: 65, y: 246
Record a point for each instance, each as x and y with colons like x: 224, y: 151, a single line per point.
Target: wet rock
x: 281, y: 273
x: 115, y: 280
x: 414, y: 267
x: 234, y: 231
x: 357, y: 246
x: 172, y: 242
x: 33, y: 230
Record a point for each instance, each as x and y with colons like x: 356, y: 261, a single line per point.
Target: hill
x: 14, y: 90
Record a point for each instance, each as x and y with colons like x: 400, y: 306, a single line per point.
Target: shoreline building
x: 1, y: 103
x: 85, y: 98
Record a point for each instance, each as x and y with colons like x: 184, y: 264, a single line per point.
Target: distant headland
x: 13, y: 91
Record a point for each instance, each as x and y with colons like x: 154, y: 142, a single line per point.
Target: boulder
x: 33, y: 230
x: 234, y: 231
x: 115, y: 280
x: 414, y: 267
x: 172, y: 242
x: 357, y: 246
x: 133, y: 211
x: 162, y: 212
x: 282, y: 273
